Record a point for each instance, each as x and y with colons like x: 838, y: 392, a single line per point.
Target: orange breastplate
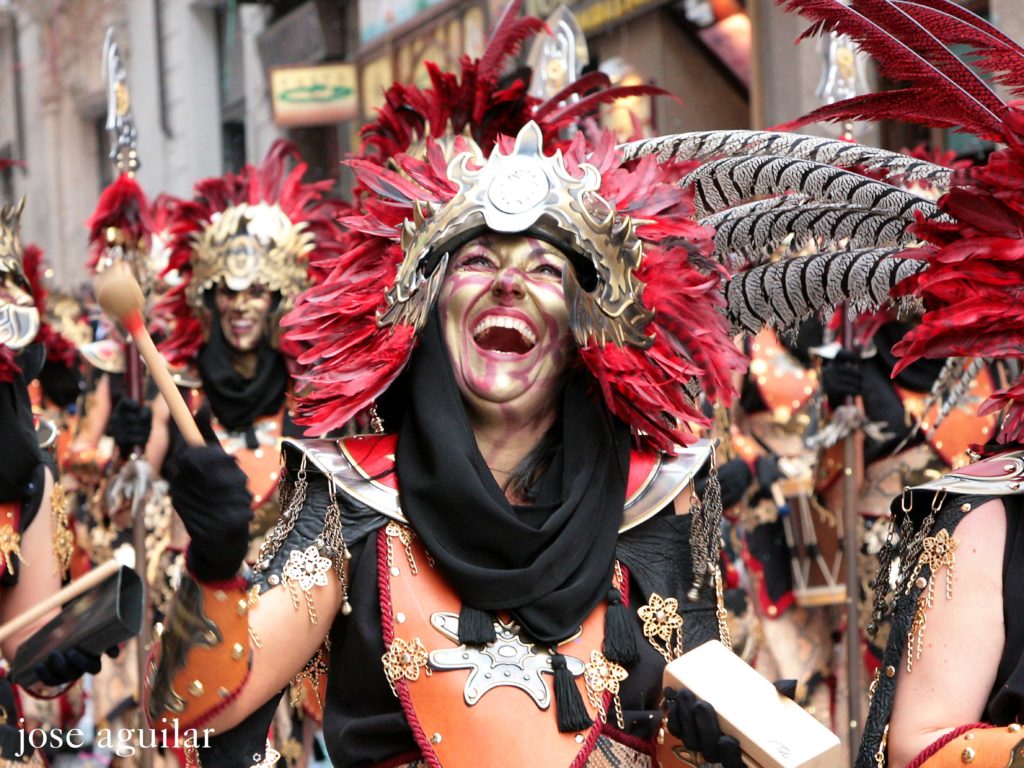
x: 962, y: 427
x: 473, y: 707
x: 262, y: 464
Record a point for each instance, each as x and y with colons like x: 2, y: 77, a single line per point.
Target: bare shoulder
x: 983, y: 529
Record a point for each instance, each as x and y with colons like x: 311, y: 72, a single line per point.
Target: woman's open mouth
x: 242, y: 327
x: 503, y: 334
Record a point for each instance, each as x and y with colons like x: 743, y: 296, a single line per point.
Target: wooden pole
x: 93, y: 578
x: 120, y: 297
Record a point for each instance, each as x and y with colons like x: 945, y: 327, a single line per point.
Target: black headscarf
x: 237, y: 401
x: 548, y: 574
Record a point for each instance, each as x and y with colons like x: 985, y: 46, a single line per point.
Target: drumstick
x: 74, y: 589
x: 120, y: 297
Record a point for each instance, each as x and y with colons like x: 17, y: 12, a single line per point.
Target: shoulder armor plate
x: 1001, y: 475
x: 364, y: 468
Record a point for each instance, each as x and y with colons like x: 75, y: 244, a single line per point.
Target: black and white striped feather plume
x: 721, y: 184
x: 786, y: 292
x: 766, y: 192
x: 748, y: 235
x: 710, y: 145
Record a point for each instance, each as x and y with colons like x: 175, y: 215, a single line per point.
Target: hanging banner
x: 307, y: 96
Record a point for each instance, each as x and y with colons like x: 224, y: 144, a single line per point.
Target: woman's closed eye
x: 551, y: 270
x: 477, y: 261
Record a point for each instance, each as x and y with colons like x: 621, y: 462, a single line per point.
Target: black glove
x: 842, y: 377
x: 63, y: 667
x: 696, y: 723
x: 210, y: 495
x: 734, y: 477
x: 129, y: 425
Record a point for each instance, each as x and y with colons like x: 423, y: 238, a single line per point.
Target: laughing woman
x: 500, y: 571
x: 497, y: 562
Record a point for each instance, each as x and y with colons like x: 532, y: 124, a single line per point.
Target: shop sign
x: 320, y: 95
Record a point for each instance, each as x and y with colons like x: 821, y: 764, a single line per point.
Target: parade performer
x: 535, y: 318
x: 948, y: 690
x: 241, y: 250
x: 35, y: 541
x: 778, y: 410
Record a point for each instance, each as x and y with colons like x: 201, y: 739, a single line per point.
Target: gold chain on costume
x: 314, y: 670
x: 880, y: 754
x: 268, y: 759
x: 404, y: 661
x: 334, y: 541
x: 663, y: 625
x: 405, y: 535
x: 291, y: 500
x: 938, y: 552
x: 10, y: 545
x: 304, y: 570
x: 602, y: 675
x: 252, y: 601
x: 720, y: 613
x: 63, y: 539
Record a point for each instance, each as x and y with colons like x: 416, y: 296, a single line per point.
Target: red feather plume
x: 974, y: 286
x: 58, y: 349
x: 123, y: 206
x: 941, y: 89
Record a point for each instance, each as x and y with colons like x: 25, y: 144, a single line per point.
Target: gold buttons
x: 196, y: 689
x: 237, y: 651
x: 890, y: 671
x: 967, y: 756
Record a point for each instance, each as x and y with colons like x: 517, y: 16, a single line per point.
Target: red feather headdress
x: 286, y: 223
x: 421, y: 169
x: 58, y: 348
x: 974, y: 285
x: 121, y: 220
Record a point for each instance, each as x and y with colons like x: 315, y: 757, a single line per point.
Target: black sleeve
x: 244, y: 744
x: 660, y: 560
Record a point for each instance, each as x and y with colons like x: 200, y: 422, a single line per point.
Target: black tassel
x: 251, y: 441
x: 620, y: 643
x: 475, y: 627
x: 569, y: 708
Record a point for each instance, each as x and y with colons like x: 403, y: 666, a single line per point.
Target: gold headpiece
x: 250, y: 243
x: 10, y: 239
x: 19, y: 318
x: 531, y: 193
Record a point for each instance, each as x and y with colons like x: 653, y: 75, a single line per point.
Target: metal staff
x: 125, y: 248
x: 841, y: 78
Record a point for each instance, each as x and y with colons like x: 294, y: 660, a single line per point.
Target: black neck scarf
x: 549, y: 575
x: 237, y: 401
x: 920, y: 375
